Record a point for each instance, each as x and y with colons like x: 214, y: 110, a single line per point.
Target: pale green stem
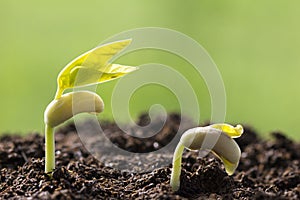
x: 176, y: 171
x: 58, y: 93
x: 49, y: 149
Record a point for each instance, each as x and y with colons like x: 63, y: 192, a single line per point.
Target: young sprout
x: 60, y: 110
x: 219, y: 136
x: 93, y: 67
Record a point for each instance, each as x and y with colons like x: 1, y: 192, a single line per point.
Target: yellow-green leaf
x: 93, y: 67
x: 84, y: 75
x: 231, y: 131
x: 230, y: 167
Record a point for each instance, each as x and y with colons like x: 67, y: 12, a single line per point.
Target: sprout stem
x: 49, y: 149
x: 176, y: 170
x: 58, y: 93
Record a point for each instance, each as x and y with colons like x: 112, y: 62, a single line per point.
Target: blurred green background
x: 255, y: 44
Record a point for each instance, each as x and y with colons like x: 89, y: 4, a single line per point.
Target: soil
x: 268, y: 169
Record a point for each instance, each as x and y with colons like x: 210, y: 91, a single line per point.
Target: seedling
x: 95, y: 67
x: 219, y: 136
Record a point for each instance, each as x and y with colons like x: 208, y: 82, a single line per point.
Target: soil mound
x: 268, y: 169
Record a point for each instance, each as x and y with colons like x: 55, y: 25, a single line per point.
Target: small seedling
x: 95, y: 67
x: 220, y: 142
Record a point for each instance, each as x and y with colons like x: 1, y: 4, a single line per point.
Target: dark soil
x: 269, y: 169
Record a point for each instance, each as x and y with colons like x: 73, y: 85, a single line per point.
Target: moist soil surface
x: 268, y: 169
